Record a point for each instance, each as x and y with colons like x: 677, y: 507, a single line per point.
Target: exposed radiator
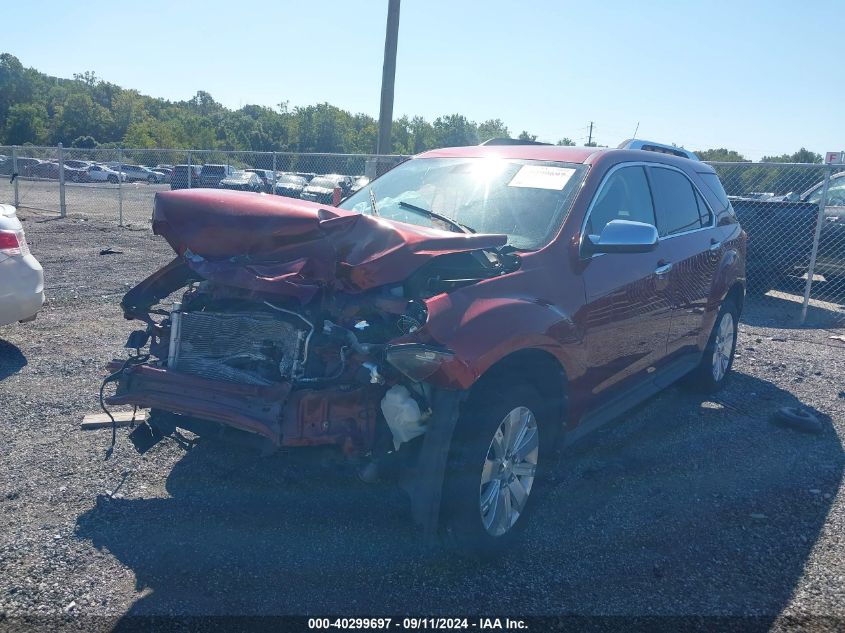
x: 244, y: 347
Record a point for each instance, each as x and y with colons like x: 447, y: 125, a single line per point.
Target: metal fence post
x: 190, y: 171
x: 819, y: 224
x: 120, y: 186
x: 60, y: 158
x: 15, y: 175
x: 273, y: 188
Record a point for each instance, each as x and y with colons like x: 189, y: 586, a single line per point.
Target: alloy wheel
x: 723, y: 346
x: 509, y: 470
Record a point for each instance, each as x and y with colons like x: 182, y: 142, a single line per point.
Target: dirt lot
x: 684, y: 507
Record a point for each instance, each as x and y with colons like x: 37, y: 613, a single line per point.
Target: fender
x: 483, y: 330
x: 731, y: 269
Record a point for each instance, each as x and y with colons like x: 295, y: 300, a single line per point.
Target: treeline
x: 88, y: 112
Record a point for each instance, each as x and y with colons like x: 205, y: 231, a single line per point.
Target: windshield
x: 523, y: 199
x: 325, y: 183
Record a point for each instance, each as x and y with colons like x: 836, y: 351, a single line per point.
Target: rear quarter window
x: 715, y: 186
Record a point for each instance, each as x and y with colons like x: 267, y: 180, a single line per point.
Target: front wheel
x: 492, y: 470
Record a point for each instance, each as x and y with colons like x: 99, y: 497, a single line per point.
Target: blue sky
x: 761, y: 77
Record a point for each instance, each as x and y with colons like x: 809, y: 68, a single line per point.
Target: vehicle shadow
x: 683, y: 507
x: 12, y: 359
x: 782, y: 309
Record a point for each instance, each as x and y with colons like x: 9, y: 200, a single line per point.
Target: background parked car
x: 321, y: 188
x: 179, y: 176
x: 211, y: 175
x: 243, y: 181
x: 359, y: 183
x: 164, y: 172
x: 21, y: 276
x: 25, y: 165
x: 101, y: 173
x: 266, y: 176
x: 290, y: 185
x: 772, y: 259
x: 78, y: 164
x: 49, y: 169
x: 138, y: 173
x: 830, y: 261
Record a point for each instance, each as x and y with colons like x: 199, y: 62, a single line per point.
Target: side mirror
x: 623, y: 236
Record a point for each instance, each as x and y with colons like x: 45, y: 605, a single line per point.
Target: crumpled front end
x: 304, y: 325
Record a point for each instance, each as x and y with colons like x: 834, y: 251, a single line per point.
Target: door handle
x: 662, y: 271
x: 715, y: 246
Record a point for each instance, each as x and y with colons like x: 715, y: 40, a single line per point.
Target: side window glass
x: 835, y: 192
x: 703, y: 209
x: 625, y: 195
x: 674, y: 202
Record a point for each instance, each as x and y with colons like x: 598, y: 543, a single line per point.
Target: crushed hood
x: 293, y: 247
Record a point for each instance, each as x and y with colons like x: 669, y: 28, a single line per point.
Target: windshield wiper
x: 373, y: 203
x: 463, y: 228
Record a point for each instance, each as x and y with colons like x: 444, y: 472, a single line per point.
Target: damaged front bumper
x: 338, y: 416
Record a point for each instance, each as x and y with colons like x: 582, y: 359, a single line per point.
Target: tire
x: 113, y: 179
x: 797, y: 418
x: 712, y: 372
x: 151, y: 180
x: 475, y: 504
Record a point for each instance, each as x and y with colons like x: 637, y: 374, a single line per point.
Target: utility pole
x: 590, y: 138
x: 388, y: 77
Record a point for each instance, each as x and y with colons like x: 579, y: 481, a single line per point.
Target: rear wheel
x: 718, y: 358
x: 492, y: 471
x: 151, y: 179
x: 113, y: 180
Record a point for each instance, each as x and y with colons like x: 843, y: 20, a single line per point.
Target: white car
x: 21, y: 276
x: 101, y: 173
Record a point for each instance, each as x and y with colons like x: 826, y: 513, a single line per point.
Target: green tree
x: 801, y: 156
x: 26, y: 123
x: 566, y: 142
x: 492, y: 128
x: 454, y: 130
x: 721, y: 155
x: 525, y: 136
x: 14, y: 86
x: 84, y: 142
x: 80, y: 116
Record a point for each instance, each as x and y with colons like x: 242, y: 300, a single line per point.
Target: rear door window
x: 678, y: 206
x: 624, y: 195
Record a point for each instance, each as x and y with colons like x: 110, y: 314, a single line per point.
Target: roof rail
x: 651, y: 146
x: 511, y: 141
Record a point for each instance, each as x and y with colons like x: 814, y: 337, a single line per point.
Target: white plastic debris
x: 362, y: 325
x: 402, y: 414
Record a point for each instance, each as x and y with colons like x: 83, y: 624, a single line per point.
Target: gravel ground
x: 683, y: 507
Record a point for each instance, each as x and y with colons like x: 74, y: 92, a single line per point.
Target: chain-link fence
x: 120, y: 184
x: 794, y: 214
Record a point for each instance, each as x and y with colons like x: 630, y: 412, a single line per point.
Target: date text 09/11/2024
x: 417, y: 623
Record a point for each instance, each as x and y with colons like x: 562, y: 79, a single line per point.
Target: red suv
x: 451, y: 323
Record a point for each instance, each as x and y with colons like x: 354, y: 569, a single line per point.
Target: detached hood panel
x: 293, y: 247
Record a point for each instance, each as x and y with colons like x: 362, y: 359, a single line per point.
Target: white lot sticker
x: 539, y: 177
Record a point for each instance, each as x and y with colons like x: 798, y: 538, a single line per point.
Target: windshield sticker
x: 538, y: 177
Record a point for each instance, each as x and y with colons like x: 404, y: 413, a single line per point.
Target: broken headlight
x: 417, y: 361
